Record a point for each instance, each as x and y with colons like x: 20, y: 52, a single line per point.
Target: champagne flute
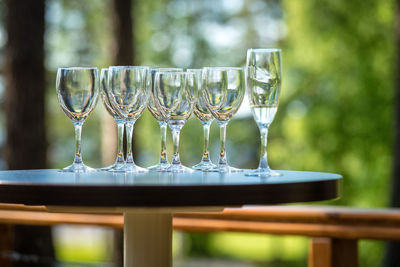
x: 77, y: 90
x: 104, y: 92
x: 206, y: 118
x: 173, y: 98
x: 128, y: 86
x: 223, y: 92
x: 163, y: 162
x: 263, y: 88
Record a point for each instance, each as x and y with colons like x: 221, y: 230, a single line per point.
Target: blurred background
x: 336, y: 113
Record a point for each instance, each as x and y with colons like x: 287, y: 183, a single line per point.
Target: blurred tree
x: 26, y: 143
x: 338, y: 94
x: 123, y: 55
x: 392, y: 256
x: 336, y: 113
x: 123, y: 32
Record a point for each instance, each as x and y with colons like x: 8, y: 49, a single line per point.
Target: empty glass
x: 204, y: 115
x: 223, y: 92
x: 263, y: 89
x: 128, y: 86
x: 174, y: 100
x: 77, y: 90
x: 119, y: 161
x: 163, y: 162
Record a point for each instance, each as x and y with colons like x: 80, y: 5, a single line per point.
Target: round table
x: 148, y: 200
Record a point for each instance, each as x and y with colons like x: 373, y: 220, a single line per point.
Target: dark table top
x: 104, y: 189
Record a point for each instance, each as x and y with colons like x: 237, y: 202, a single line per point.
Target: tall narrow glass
x: 223, y: 92
x: 163, y: 162
x: 128, y: 86
x: 119, y: 161
x: 206, y: 118
x: 263, y: 89
x: 173, y: 98
x: 77, y: 91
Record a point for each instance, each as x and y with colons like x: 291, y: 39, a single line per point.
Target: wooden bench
x: 334, y: 231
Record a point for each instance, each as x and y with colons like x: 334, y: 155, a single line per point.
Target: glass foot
x: 262, y: 173
x: 160, y: 167
x: 113, y: 167
x: 133, y: 168
x: 179, y: 168
x: 77, y: 168
x: 224, y: 169
x: 204, y: 166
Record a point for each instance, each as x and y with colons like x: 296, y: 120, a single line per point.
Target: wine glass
x: 163, y: 163
x: 104, y: 92
x: 173, y: 98
x: 77, y: 90
x: 128, y: 86
x: 223, y: 92
x: 263, y: 89
x: 204, y: 115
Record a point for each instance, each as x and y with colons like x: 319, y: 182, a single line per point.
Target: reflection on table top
x: 105, y: 189
x: 102, y: 178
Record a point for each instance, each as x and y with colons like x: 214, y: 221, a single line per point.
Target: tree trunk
x: 123, y: 32
x: 26, y: 143
x: 123, y: 54
x: 122, y: 50
x: 392, y: 255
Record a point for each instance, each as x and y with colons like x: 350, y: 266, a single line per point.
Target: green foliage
x: 336, y: 112
x: 339, y: 72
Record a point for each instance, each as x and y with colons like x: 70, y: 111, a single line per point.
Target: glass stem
x: 176, y: 131
x: 206, y: 132
x: 129, y: 131
x: 120, y: 152
x: 78, y: 134
x: 222, y: 136
x: 163, y: 155
x: 263, y: 158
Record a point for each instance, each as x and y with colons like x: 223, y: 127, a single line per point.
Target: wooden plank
x: 45, y: 218
x: 251, y: 220
x: 344, y: 253
x: 278, y: 228
x: 4, y: 206
x: 307, y: 214
x: 320, y: 252
x: 6, y: 245
x: 332, y: 252
x: 210, y: 225
x: 302, y: 214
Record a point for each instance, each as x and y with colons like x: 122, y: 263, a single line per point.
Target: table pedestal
x: 147, y: 239
x: 147, y: 231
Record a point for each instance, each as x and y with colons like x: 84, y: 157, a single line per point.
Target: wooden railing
x: 334, y: 231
